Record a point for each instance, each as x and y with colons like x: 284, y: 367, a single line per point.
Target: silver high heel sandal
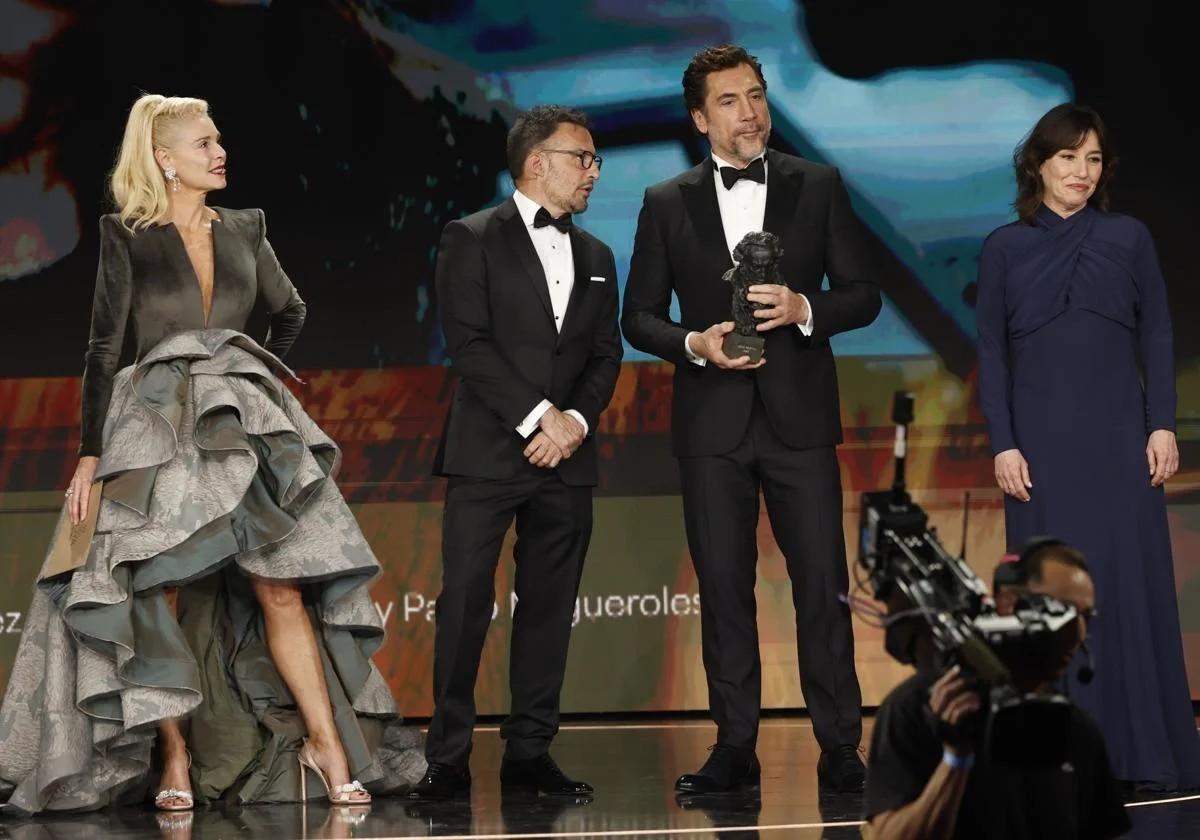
x: 171, y: 793
x: 339, y: 795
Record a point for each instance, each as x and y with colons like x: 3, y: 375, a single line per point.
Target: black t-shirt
x: 1079, y: 799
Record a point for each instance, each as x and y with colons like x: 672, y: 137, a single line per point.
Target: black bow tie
x: 756, y: 171
x: 563, y: 222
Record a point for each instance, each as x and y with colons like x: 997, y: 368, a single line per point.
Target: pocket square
x: 598, y: 279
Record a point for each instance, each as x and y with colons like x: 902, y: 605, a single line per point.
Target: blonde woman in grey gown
x: 217, y: 642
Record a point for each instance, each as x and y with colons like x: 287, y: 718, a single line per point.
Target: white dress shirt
x: 743, y: 208
x: 553, y: 248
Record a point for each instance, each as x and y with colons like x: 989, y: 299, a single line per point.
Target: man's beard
x: 572, y: 201
x: 749, y: 148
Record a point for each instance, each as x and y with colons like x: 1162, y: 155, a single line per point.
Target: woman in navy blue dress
x: 1077, y: 381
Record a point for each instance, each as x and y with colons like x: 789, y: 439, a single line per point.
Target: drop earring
x: 170, y: 175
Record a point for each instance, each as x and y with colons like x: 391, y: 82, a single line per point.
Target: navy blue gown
x: 1066, y: 309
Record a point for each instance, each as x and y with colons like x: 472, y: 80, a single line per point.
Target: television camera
x: 902, y: 554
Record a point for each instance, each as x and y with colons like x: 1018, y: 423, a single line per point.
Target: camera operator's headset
x: 1013, y: 570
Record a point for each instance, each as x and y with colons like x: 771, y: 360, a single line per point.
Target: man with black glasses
x: 528, y: 304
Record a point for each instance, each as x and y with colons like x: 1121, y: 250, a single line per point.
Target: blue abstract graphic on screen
x: 925, y: 152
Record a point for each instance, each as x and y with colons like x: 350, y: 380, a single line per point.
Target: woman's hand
x: 1162, y: 452
x: 1012, y: 474
x: 80, y: 492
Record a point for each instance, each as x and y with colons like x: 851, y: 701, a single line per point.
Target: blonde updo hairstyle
x: 137, y: 183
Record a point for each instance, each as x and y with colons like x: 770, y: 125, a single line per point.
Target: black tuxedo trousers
x: 554, y: 525
x: 803, y: 493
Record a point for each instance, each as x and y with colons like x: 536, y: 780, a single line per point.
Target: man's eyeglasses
x: 586, y: 158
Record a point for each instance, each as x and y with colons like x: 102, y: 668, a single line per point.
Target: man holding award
x: 753, y: 412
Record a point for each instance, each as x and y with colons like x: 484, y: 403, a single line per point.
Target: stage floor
x: 632, y: 767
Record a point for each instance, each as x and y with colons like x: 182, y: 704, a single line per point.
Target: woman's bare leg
x: 172, y: 745
x: 293, y: 646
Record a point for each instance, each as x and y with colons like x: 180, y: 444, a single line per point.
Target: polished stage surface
x: 632, y: 766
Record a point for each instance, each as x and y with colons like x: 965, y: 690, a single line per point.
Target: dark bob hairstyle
x: 1064, y: 126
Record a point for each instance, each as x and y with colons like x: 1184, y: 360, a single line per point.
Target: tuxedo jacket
x: 501, y: 337
x: 680, y: 247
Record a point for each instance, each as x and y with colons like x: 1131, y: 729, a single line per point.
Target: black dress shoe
x: 539, y: 774
x: 441, y: 781
x: 727, y: 770
x: 841, y: 769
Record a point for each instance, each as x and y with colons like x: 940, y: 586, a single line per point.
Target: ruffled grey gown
x: 213, y: 473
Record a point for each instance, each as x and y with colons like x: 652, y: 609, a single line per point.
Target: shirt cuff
x: 530, y: 423
x: 579, y: 417
x: 692, y: 357
x: 807, y: 326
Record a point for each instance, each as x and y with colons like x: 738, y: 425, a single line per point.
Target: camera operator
x: 928, y: 776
